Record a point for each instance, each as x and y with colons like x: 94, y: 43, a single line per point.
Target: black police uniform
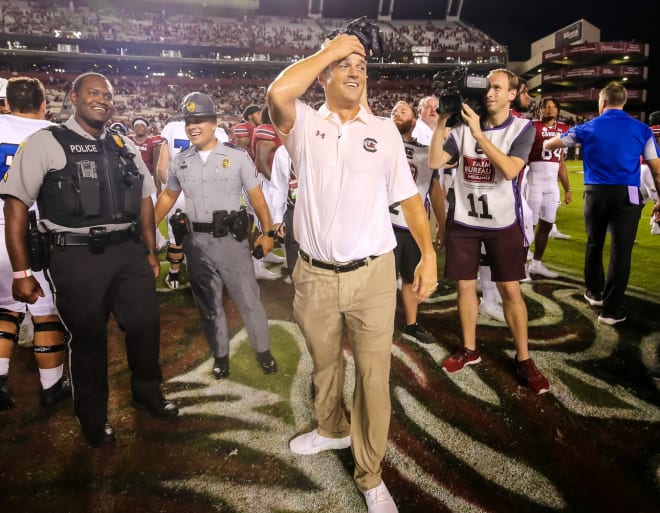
x: 89, y: 194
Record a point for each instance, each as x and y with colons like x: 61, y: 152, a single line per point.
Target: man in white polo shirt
x: 351, y: 165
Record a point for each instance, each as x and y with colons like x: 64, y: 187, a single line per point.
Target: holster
x: 239, y: 224
x: 180, y: 226
x: 221, y: 223
x: 37, y: 244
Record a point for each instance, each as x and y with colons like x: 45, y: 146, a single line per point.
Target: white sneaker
x: 556, y: 234
x: 491, y: 309
x: 379, y: 500
x: 273, y: 258
x: 260, y: 271
x: 528, y: 277
x: 537, y: 267
x: 313, y: 443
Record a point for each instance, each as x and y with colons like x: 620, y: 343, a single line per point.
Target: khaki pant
x: 364, y: 302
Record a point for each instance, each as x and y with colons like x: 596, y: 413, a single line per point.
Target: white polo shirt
x: 348, y: 174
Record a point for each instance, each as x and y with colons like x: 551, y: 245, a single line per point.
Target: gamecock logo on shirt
x: 371, y: 145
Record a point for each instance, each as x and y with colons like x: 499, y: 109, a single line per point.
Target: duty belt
x: 85, y: 239
x: 202, y: 227
x: 338, y: 268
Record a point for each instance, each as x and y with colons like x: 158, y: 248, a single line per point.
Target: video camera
x: 368, y: 33
x: 460, y: 87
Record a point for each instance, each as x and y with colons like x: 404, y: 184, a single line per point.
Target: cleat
x: 58, y: 392
x: 6, y: 400
x: 537, y: 267
x: 172, y: 280
x: 492, y: 309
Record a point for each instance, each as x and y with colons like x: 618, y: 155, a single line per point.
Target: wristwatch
x: 270, y: 233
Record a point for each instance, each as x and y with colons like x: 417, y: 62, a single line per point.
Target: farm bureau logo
x: 478, y: 170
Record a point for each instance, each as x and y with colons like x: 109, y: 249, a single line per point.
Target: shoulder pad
x: 232, y: 145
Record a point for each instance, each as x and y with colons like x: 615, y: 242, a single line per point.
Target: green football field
x: 567, y: 256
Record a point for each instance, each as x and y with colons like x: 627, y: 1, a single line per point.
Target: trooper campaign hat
x: 197, y: 105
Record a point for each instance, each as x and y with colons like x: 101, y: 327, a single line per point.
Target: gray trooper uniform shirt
x: 217, y: 184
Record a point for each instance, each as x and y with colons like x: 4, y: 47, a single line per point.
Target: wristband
x: 17, y: 275
x: 151, y: 251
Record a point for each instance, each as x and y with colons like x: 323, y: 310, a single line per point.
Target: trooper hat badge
x: 198, y: 105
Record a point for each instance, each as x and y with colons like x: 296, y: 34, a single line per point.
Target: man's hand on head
x: 343, y: 45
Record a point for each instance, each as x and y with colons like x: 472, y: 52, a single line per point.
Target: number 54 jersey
x: 483, y: 197
x: 544, y: 164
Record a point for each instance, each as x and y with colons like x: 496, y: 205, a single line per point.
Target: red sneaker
x: 531, y: 376
x: 461, y: 357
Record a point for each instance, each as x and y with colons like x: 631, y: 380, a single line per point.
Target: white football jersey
x: 13, y: 131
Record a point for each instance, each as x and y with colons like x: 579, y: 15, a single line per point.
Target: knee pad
x: 55, y: 348
x: 174, y: 255
x: 50, y: 326
x: 6, y: 315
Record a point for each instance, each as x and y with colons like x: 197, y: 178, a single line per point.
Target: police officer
x: 212, y: 176
x: 94, y: 202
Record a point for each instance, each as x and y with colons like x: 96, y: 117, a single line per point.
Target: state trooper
x: 97, y: 221
x: 214, y: 229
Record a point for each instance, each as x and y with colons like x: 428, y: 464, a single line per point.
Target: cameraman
x: 351, y: 165
x: 486, y: 209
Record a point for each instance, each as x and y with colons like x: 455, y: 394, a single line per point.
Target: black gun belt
x: 338, y: 268
x: 83, y: 239
x: 202, y: 227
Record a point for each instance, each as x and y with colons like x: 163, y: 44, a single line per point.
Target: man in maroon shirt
x: 149, y: 146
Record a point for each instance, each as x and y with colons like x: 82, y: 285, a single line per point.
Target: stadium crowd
x: 260, y: 33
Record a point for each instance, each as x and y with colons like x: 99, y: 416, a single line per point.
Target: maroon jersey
x: 543, y: 133
x: 242, y: 130
x: 146, y: 148
x: 265, y: 133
